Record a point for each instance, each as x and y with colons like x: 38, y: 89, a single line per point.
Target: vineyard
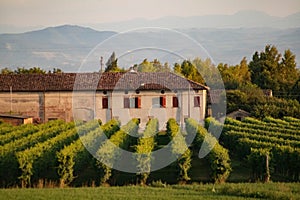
x: 270, y: 147
x: 56, y: 152
x: 62, y: 153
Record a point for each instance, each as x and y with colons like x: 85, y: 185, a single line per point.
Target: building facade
x: 104, y: 96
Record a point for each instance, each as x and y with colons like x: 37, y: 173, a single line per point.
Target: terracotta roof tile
x: 92, y: 81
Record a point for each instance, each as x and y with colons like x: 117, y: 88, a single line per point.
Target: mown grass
x: 161, y: 191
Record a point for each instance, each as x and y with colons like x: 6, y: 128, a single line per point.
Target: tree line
x: 31, y: 70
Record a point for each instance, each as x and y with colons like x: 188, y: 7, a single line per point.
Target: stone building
x: 104, y: 96
x: 238, y: 114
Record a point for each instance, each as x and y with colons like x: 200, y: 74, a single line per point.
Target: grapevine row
x: 218, y: 156
x: 144, y: 148
x: 39, y: 157
x: 79, y: 152
x: 251, y: 123
x: 109, y: 152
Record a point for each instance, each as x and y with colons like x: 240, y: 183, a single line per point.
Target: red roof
x: 96, y: 81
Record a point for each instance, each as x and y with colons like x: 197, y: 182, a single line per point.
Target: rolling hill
x: 67, y: 46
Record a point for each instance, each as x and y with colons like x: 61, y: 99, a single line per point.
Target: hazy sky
x: 57, y: 12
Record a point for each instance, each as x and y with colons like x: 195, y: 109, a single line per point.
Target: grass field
x: 160, y: 191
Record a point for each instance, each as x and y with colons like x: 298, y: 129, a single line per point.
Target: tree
x: 146, y: 66
x: 288, y: 71
x: 210, y: 75
x: 295, y: 91
x: 32, y: 70
x: 112, y: 64
x: 270, y: 71
x: 246, y: 97
x: 235, y: 76
x: 55, y: 71
x: 153, y: 66
x: 177, y: 68
x: 188, y: 70
x: 6, y: 71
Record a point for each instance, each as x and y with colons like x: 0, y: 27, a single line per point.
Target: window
x: 137, y: 102
x: 162, y: 101
x: 134, y: 102
x: 175, y: 102
x: 196, y: 101
x: 53, y: 118
x: 104, y: 102
x: 126, y: 102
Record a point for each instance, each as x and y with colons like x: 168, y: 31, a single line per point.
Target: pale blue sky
x: 57, y: 12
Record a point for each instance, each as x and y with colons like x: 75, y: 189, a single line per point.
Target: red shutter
x: 126, y: 102
x: 105, y: 102
x: 138, y: 102
x: 175, y: 102
x: 162, y: 101
x: 197, y: 101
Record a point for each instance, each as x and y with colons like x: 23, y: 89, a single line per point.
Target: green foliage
x: 110, y: 151
x: 258, y: 160
x: 209, y: 73
x: 213, y: 126
x: 153, y: 66
x: 111, y: 127
x: 276, y: 108
x: 77, y: 155
x: 260, y: 190
x: 144, y: 148
x: 8, y: 160
x: 295, y: 91
x: 180, y: 149
x: 32, y: 70
x: 54, y: 152
x: 201, y: 71
x: 6, y: 71
x: 252, y: 99
x: 112, y: 64
x: 235, y: 76
x: 27, y: 129
x: 172, y: 128
x: 279, y: 138
x: 160, y: 190
x: 219, y: 163
x: 34, y: 158
x: 269, y: 70
x: 189, y: 70
x: 218, y: 156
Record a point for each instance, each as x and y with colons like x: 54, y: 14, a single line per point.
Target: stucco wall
x: 20, y: 102
x: 88, y: 105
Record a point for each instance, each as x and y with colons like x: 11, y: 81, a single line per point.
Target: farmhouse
x: 86, y: 96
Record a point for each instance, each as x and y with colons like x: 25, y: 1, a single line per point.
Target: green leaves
x: 144, y: 149
x: 254, y: 139
x: 179, y: 149
x: 218, y: 157
x: 110, y: 150
x: 269, y: 70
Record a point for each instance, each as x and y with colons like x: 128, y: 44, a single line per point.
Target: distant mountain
x: 242, y: 19
x: 67, y: 46
x: 63, y: 46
